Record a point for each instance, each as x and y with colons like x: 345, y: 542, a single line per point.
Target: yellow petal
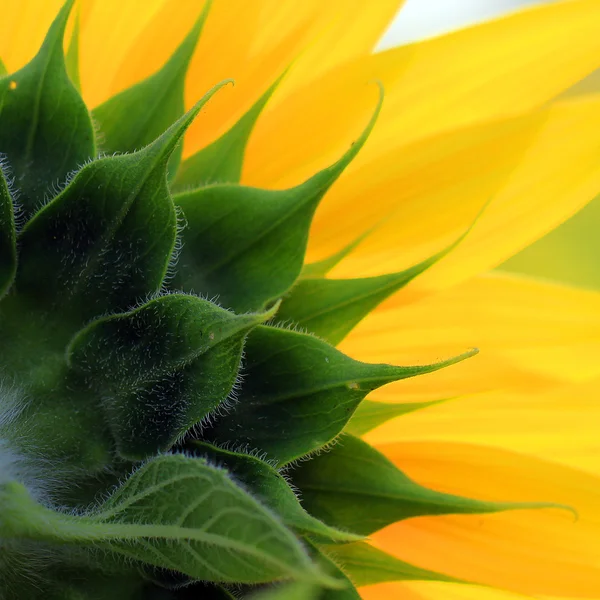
x: 526, y: 551
x: 255, y: 44
x: 495, y: 69
x: 563, y: 424
x: 23, y: 26
x: 249, y: 42
x: 433, y: 590
x: 389, y: 591
x: 110, y: 29
x: 434, y: 198
x: 531, y: 336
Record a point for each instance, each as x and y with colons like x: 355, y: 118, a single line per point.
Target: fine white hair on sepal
x: 180, y: 224
x: 14, y: 191
x: 20, y: 460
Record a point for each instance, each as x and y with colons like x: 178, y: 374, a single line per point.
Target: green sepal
x: 72, y: 56
x: 271, y: 489
x: 331, y: 308
x: 346, y: 591
x: 299, y: 392
x: 138, y: 115
x: 356, y: 488
x: 3, y: 69
x: 161, y: 368
x: 45, y: 128
x: 371, y: 414
x: 8, y: 244
x: 367, y: 565
x: 215, y: 531
x: 106, y: 241
x: 301, y: 591
x: 222, y: 161
x: 261, y: 236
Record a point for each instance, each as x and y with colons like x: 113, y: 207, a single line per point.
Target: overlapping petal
x: 421, y: 590
x: 532, y: 336
x: 431, y: 86
x: 562, y: 423
x: 546, y: 552
x: 530, y: 174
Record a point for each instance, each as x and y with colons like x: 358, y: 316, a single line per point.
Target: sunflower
x: 332, y: 198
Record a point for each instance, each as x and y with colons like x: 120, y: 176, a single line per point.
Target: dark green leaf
x: 355, y: 487
x: 177, y: 513
x: 246, y: 245
x: 366, y: 565
x: 271, y: 488
x: 138, y: 115
x: 371, y: 414
x: 161, y: 368
x: 72, y: 56
x: 106, y: 241
x: 221, y: 161
x: 8, y: 248
x: 45, y: 128
x: 299, y: 393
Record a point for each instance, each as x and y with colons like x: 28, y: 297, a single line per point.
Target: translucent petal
x: 495, y: 69
x: 531, y: 335
x: 529, y: 552
x: 428, y: 590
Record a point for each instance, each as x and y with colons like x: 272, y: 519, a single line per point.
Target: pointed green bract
x: 271, y: 488
x: 221, y: 161
x: 106, y: 241
x: 291, y: 381
x: 45, y: 128
x: 214, y: 532
x: 346, y: 591
x: 355, y: 487
x: 125, y: 127
x: 8, y: 248
x: 261, y: 236
x: 367, y: 565
x: 331, y: 308
x: 370, y: 414
x: 3, y: 70
x: 160, y: 369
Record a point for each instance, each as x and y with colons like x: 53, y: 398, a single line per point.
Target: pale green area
x: 569, y: 254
